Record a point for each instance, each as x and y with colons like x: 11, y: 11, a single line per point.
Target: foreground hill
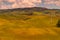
x: 29, y: 24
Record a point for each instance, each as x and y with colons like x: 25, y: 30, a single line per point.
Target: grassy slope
x: 33, y: 27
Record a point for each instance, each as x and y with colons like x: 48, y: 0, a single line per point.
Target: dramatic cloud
x: 56, y: 2
x: 5, y: 4
x: 52, y: 4
x: 8, y: 4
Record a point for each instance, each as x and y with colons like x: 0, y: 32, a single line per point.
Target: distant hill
x: 30, y: 10
x: 24, y: 9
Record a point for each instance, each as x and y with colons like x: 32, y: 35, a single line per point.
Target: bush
x: 58, y: 24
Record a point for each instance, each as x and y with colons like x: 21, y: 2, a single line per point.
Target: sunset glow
x: 8, y: 4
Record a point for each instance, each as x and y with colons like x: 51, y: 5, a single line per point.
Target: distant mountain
x: 29, y: 11
x: 26, y: 13
x: 24, y: 9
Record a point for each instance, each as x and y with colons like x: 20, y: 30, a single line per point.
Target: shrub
x: 58, y: 23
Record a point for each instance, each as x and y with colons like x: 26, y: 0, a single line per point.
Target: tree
x: 58, y: 23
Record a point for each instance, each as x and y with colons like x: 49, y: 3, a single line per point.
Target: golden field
x: 29, y: 27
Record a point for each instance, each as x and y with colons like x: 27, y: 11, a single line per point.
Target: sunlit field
x: 38, y: 26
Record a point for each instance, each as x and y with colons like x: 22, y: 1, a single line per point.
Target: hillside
x: 29, y: 24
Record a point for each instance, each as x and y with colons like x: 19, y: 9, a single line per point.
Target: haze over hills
x: 31, y: 10
x: 27, y: 9
x: 17, y: 12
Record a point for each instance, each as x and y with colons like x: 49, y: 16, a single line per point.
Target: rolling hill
x: 35, y: 23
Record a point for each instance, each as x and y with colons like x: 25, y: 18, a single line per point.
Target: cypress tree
x: 58, y: 23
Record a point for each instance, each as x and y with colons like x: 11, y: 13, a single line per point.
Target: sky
x: 10, y: 4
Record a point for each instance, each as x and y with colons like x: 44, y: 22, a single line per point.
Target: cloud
x: 54, y: 2
x: 9, y: 4
x: 5, y: 4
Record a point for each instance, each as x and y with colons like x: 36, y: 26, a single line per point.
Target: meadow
x: 21, y: 25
